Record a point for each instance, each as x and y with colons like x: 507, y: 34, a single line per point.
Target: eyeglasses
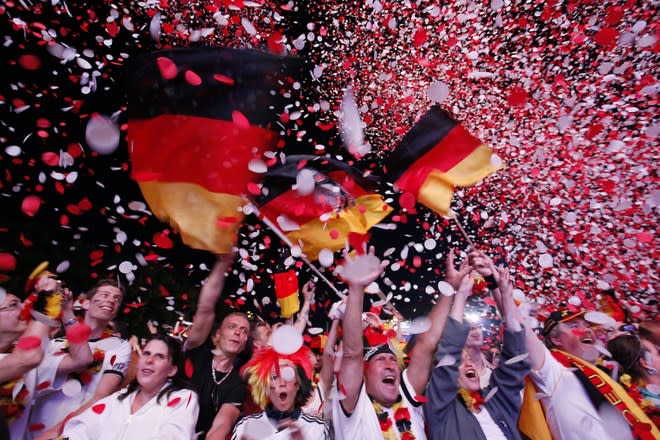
x: 14, y: 305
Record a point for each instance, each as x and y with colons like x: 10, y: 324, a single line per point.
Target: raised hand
x: 453, y: 276
x: 308, y: 291
x: 363, y: 269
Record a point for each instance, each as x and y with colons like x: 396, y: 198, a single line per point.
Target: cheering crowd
x: 69, y: 374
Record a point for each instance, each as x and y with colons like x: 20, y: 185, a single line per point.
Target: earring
x: 652, y: 371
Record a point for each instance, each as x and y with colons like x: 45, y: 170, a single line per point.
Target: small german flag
x: 197, y: 117
x: 436, y: 155
x: 342, y: 201
x: 286, y: 292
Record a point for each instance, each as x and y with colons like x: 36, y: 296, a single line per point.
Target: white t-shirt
x: 491, y: 429
x: 23, y: 393
x: 54, y: 405
x: 173, y: 418
x: 260, y: 427
x: 568, y: 409
x: 363, y: 423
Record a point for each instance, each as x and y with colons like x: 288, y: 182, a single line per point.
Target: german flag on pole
x: 436, y: 155
x: 318, y: 201
x: 197, y: 118
x: 286, y: 292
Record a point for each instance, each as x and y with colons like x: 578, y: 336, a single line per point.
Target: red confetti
x: 31, y: 205
x: 36, y: 427
x: 29, y: 62
x: 98, y: 408
x: 28, y: 343
x: 606, y: 36
x: 7, y: 262
x: 168, y: 69
x: 420, y: 37
x: 50, y: 158
x: 188, y: 368
x: 240, y: 120
x: 78, y: 333
x: 275, y: 43
x: 192, y: 78
x: 163, y: 241
x: 174, y: 402
x: 224, y: 79
x: 227, y: 222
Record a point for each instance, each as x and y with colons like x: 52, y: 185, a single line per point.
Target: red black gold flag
x: 286, y: 292
x: 436, y: 155
x: 197, y: 117
x: 342, y: 201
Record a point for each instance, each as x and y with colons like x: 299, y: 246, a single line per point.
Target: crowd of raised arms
x: 66, y: 372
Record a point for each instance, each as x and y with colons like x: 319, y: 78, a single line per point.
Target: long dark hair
x: 628, y: 350
x: 176, y: 382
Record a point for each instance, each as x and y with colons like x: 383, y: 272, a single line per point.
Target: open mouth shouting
x: 389, y: 380
x: 471, y: 373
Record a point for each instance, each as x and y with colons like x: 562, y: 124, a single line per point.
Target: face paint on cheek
x: 579, y: 332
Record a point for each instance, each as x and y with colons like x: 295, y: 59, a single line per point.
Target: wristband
x: 70, y: 322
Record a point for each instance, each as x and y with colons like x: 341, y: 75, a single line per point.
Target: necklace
x: 402, y: 420
x: 219, y: 381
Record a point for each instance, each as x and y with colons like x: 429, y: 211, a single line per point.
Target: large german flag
x: 343, y: 201
x: 436, y: 155
x: 197, y: 117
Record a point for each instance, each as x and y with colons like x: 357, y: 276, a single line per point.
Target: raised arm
x: 208, y: 297
x: 443, y: 386
x: 421, y: 358
x: 308, y: 295
x: 327, y: 358
x: 352, y: 366
x: 534, y: 346
x: 77, y: 334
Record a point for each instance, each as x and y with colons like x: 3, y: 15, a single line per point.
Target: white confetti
x: 102, y: 134
x: 350, y: 125
x: 438, y: 91
x: 445, y: 288
x: 516, y: 359
x: 286, y: 340
x: 545, y: 261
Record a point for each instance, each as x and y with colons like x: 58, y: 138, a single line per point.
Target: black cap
x: 558, y: 316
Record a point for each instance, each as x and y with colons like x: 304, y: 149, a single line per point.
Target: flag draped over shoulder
x: 197, y: 117
x: 436, y: 155
x: 340, y: 200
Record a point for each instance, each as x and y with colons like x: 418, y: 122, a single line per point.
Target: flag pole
x: 288, y: 242
x: 460, y: 227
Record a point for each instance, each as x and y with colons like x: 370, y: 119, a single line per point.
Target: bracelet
x: 490, y: 281
x: 70, y: 322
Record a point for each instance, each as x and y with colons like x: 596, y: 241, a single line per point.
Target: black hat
x: 558, y: 316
